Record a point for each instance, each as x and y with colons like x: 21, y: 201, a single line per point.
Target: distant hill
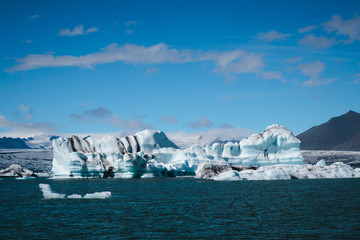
x: 339, y: 133
x: 7, y: 142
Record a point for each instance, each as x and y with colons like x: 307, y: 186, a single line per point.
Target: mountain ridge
x: 338, y: 133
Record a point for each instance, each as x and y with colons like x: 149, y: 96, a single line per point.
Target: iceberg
x: 49, y: 194
x: 150, y: 153
x: 98, y: 195
x: 15, y: 170
x: 277, y: 172
x: 276, y: 145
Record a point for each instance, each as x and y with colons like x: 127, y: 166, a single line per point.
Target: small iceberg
x: 15, y: 170
x: 49, y: 194
x: 98, y: 195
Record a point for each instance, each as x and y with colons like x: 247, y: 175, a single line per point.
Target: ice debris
x: 151, y: 154
x: 15, y: 170
x: 49, y: 194
x: 321, y: 163
x: 274, y: 172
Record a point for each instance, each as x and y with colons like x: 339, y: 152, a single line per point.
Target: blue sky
x: 189, y: 67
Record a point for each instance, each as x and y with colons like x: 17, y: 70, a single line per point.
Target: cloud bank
x: 20, y: 129
x: 103, y: 115
x: 237, y: 61
x: 78, y: 30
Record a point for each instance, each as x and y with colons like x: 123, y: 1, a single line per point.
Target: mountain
x: 35, y: 142
x: 217, y: 140
x: 339, y: 133
x: 7, y: 142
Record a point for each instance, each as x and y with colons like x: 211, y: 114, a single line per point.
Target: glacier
x: 150, y: 153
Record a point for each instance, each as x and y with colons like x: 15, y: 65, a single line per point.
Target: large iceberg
x: 151, y: 154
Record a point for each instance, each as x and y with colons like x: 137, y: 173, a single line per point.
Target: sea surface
x: 182, y: 208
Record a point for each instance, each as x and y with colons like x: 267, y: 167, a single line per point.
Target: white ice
x: 276, y: 172
x: 321, y: 163
x: 151, y: 154
x: 49, y: 194
x: 15, y: 170
x: 98, y: 195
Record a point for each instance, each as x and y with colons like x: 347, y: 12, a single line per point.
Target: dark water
x: 182, y: 208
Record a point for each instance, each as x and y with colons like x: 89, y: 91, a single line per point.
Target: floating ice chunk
x: 98, y: 195
x: 75, y: 196
x: 24, y: 178
x: 15, y: 170
x: 321, y: 163
x: 281, y: 171
x: 48, y: 194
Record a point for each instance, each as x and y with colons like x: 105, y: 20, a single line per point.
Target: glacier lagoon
x: 180, y: 207
x: 175, y: 208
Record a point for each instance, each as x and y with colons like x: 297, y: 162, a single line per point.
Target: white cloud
x: 307, y: 29
x: 26, y: 112
x: 201, y: 123
x: 168, y: 119
x: 129, y: 25
x: 35, y: 16
x: 20, y: 129
x: 226, y: 125
x: 349, y: 28
x: 272, y: 36
x: 229, y: 98
x: 186, y: 139
x: 291, y: 60
x: 357, y: 79
x: 152, y: 70
x: 128, y: 53
x: 320, y: 42
x: 78, y: 30
x: 101, y: 114
x: 313, y: 70
x: 182, y: 138
x: 237, y: 61
x: 90, y: 30
x: 272, y: 75
x: 127, y: 124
